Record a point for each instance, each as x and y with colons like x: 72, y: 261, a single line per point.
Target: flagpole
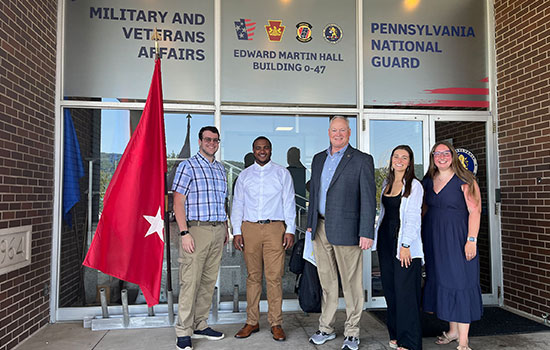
x: 169, y: 296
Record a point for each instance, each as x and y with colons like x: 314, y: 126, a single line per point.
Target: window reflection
x: 103, y: 136
x: 295, y: 139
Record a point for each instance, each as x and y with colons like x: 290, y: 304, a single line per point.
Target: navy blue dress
x: 452, y: 288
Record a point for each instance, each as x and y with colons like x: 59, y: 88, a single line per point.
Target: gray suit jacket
x: 351, y: 198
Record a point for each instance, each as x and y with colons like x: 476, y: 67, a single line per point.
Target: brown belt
x: 204, y: 223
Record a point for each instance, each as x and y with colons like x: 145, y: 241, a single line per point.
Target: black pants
x: 402, y: 289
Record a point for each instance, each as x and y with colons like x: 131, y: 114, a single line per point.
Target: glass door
x: 472, y: 139
x: 470, y: 132
x: 384, y: 135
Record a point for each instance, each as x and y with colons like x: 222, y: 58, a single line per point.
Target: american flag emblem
x: 245, y: 29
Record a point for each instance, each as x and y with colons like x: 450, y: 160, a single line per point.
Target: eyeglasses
x: 442, y: 154
x: 209, y: 140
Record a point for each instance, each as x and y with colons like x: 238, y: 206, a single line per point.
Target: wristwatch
x: 405, y: 245
x: 184, y: 232
x: 472, y: 239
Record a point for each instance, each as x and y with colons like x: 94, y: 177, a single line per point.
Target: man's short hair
x: 212, y: 129
x: 262, y: 138
x: 344, y: 118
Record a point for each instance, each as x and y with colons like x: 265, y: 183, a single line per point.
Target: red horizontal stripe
x: 459, y: 91
x: 452, y: 103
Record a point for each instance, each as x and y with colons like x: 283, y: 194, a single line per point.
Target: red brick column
x: 27, y: 118
x: 523, y: 61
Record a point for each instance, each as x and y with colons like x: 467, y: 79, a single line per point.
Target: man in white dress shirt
x: 263, y: 217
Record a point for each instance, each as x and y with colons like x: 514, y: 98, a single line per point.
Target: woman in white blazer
x: 398, y: 242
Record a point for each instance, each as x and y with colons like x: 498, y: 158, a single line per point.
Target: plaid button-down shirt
x: 205, y: 186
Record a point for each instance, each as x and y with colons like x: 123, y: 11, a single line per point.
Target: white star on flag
x: 157, y: 225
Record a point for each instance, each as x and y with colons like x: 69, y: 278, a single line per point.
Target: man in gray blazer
x: 342, y: 207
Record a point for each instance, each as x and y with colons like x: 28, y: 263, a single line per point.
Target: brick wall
x: 27, y: 92
x: 523, y: 61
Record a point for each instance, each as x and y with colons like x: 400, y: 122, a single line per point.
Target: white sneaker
x: 321, y: 337
x: 351, y: 343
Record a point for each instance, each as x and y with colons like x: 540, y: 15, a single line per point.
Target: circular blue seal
x: 467, y: 159
x: 333, y: 33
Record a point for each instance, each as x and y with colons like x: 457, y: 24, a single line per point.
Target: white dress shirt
x: 264, y: 193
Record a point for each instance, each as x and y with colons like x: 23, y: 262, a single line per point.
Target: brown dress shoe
x: 278, y: 333
x: 247, y: 330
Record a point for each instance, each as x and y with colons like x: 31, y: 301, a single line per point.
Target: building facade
x: 503, y: 119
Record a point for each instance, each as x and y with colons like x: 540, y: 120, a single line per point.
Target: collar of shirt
x: 203, y: 158
x: 259, y: 167
x: 339, y: 153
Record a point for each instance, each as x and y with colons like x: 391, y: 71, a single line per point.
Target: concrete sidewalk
x: 298, y: 327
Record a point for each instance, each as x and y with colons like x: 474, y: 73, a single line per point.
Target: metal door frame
x: 429, y: 118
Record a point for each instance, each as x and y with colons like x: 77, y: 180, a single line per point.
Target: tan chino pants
x: 263, y: 250
x: 348, y: 262
x: 198, y: 273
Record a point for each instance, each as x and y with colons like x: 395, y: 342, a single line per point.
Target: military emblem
x: 467, y: 159
x: 333, y: 33
x: 245, y: 29
x: 275, y: 30
x: 303, y: 32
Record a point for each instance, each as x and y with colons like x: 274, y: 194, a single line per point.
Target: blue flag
x: 73, y: 169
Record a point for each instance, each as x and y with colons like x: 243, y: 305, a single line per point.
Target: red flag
x: 129, y: 240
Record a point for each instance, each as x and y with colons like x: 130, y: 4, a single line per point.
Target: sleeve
x: 412, y: 217
x: 368, y: 198
x: 182, y: 180
x: 237, y: 207
x: 289, y: 202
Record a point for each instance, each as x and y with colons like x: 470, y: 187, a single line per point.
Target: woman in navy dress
x: 452, y: 211
x: 398, y: 242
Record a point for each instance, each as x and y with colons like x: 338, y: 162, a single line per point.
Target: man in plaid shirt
x: 200, y: 190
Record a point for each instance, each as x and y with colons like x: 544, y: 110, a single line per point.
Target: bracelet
x: 184, y: 232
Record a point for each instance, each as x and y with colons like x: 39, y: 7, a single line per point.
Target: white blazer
x: 410, y: 215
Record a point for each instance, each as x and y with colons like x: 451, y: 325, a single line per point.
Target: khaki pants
x: 263, y: 250
x: 198, y: 274
x: 348, y: 262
